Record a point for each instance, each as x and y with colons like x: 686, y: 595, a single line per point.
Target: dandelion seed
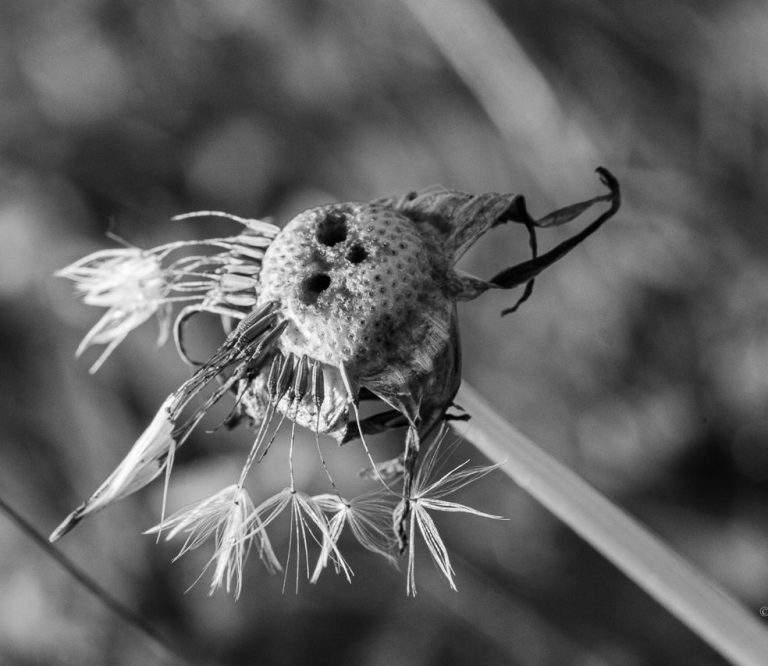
x: 348, y: 302
x: 369, y: 518
x: 127, y: 281
x: 427, y: 495
x: 134, y: 284
x: 307, y: 523
x: 228, y: 517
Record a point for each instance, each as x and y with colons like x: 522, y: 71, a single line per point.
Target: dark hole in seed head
x: 357, y: 253
x: 313, y: 286
x: 332, y: 229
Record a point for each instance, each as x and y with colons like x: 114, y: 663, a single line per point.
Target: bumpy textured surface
x: 369, y: 289
x: 362, y: 285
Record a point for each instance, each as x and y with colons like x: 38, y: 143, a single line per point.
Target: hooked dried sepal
x: 461, y: 219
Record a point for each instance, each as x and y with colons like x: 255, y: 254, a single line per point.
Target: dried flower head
x: 347, y: 302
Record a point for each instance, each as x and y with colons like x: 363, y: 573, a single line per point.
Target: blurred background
x: 640, y: 361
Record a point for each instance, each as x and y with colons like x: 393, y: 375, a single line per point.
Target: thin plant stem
x: 117, y: 607
x: 684, y: 591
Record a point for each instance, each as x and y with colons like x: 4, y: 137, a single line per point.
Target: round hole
x: 332, y: 229
x: 357, y: 254
x: 313, y: 286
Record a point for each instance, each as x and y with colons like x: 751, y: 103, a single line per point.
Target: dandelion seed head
x: 347, y: 302
x: 359, y: 283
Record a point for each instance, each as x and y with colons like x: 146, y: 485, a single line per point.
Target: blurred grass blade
x: 160, y: 646
x: 514, y: 92
x: 687, y: 593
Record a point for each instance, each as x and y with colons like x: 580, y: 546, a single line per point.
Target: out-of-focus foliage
x: 642, y: 359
